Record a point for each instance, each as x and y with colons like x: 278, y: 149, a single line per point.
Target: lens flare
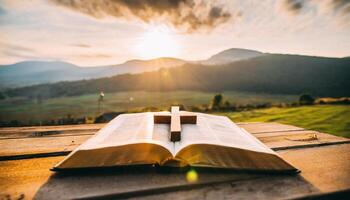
x: 192, y: 176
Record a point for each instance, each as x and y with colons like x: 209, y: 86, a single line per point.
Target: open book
x: 133, y: 139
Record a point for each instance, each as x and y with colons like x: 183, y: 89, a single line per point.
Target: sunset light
x: 158, y: 42
x: 150, y: 99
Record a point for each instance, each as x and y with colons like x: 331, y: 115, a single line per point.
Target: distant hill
x: 37, y: 72
x: 139, y: 66
x: 231, y: 55
x: 272, y: 73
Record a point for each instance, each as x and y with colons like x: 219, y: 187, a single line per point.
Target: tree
x: 217, y: 101
x: 306, y: 99
x: 2, y: 96
x: 227, y: 104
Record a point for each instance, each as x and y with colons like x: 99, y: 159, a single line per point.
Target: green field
x: 87, y: 105
x: 333, y: 119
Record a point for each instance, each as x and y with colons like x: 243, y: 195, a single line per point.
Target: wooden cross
x: 175, y: 119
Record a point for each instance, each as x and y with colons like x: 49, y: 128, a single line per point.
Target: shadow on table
x: 133, y: 181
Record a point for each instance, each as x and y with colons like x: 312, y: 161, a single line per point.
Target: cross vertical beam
x: 175, y: 124
x: 175, y: 119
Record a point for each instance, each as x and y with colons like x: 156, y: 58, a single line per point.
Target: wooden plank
x: 280, y: 187
x: 335, y: 173
x: 50, y: 128
x: 298, y: 139
x: 320, y: 173
x: 51, y: 145
x: 285, y: 133
x: 258, y: 128
x: 47, y: 131
x: 12, y: 147
x: 44, y: 184
x: 26, y: 178
x: 327, y: 168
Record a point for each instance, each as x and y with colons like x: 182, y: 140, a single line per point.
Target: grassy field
x: 86, y: 105
x: 333, y: 119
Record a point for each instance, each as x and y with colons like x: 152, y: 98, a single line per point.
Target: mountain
x: 37, y: 72
x: 231, y: 55
x: 139, y: 66
x: 272, y: 73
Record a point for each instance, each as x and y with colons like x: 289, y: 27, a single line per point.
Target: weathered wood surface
x: 89, y: 129
x: 320, y: 174
x: 259, y: 127
x: 324, y: 169
x: 45, y: 131
x: 24, y: 145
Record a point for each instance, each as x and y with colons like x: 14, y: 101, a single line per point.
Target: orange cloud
x: 188, y: 14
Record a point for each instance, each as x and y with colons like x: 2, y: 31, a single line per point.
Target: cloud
x: 2, y: 11
x: 294, y: 6
x: 337, y: 10
x: 80, y: 45
x: 101, y: 55
x: 192, y: 15
x: 11, y: 52
x: 15, y: 47
x: 340, y: 3
x: 342, y: 6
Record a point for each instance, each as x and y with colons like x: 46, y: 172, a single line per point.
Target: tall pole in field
x: 100, y: 101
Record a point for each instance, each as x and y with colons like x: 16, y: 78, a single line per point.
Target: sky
x: 105, y: 32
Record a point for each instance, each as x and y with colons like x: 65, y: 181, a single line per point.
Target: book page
x: 218, y: 130
x: 128, y: 139
x: 130, y: 129
x: 215, y: 141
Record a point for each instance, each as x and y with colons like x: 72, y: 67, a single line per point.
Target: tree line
x: 274, y: 74
x: 217, y: 104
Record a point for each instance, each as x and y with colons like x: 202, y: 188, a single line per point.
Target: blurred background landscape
x: 301, y: 90
x: 102, y: 58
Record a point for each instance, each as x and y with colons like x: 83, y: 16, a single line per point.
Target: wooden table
x: 27, y: 154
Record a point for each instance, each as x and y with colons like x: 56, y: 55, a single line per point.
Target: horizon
x: 156, y: 58
x: 98, y: 36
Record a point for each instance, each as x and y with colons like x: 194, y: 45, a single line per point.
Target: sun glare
x: 158, y: 42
